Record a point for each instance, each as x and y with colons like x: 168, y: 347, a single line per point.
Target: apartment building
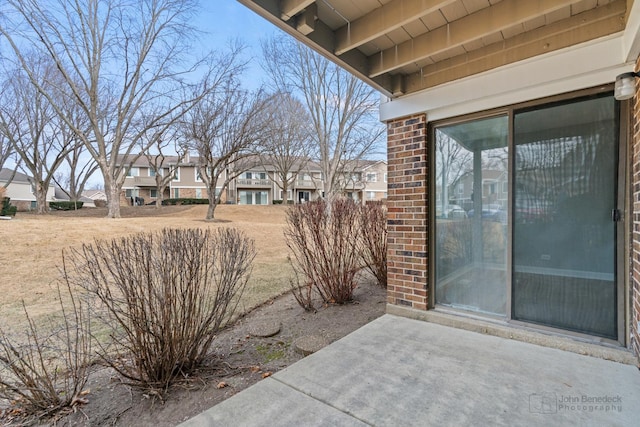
x: 259, y: 184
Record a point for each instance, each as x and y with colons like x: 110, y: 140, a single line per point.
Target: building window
x: 152, y: 172
x: 153, y: 194
x: 176, y: 193
x: 198, y: 193
x: 133, y: 171
x: 371, y: 195
x: 372, y: 177
x: 253, y: 197
x: 176, y: 174
x: 385, y: 177
x: 131, y: 192
x: 198, y: 175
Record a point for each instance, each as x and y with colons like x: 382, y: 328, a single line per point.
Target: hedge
x: 185, y: 201
x: 65, y: 205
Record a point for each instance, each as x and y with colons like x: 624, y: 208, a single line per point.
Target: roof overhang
x: 447, y: 57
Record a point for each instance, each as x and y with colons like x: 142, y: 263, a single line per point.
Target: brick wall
x: 635, y: 237
x: 407, y: 212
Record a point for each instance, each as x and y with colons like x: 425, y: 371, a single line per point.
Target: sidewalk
x: 402, y: 372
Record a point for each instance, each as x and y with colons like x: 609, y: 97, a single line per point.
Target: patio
x: 399, y: 371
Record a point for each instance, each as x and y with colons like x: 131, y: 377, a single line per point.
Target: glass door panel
x: 471, y: 161
x: 563, y: 233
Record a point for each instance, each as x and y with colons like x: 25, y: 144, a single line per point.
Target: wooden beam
x: 290, y: 8
x: 580, y: 28
x: 307, y: 20
x: 382, y: 20
x: 472, y: 27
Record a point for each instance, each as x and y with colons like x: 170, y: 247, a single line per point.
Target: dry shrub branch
x: 373, y: 219
x: 163, y: 296
x: 323, y: 237
x: 47, y: 372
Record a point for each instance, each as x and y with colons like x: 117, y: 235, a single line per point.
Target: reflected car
x: 491, y: 212
x: 452, y: 212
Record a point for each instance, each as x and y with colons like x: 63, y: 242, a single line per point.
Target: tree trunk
x: 41, y: 198
x: 285, y: 192
x: 113, y: 197
x: 212, y: 208
x: 161, y: 185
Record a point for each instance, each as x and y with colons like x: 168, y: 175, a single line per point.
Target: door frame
x: 623, y: 228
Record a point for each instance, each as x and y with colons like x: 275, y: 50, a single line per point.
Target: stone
x: 265, y: 329
x: 309, y: 344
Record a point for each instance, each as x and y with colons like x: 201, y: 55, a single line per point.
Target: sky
x: 222, y: 20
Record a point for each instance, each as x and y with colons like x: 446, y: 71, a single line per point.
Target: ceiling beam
x: 290, y: 8
x: 307, y: 20
x: 580, y: 28
x: 382, y: 20
x: 472, y: 27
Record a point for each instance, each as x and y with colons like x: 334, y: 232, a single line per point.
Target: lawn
x: 32, y: 247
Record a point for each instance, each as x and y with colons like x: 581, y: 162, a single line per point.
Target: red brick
x: 407, y: 164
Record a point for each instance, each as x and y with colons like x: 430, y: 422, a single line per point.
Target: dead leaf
x: 222, y: 384
x: 266, y: 374
x: 254, y: 369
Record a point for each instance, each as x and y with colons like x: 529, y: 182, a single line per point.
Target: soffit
x: 406, y: 46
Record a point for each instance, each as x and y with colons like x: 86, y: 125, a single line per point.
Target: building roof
x: 94, y: 194
x: 5, y: 175
x: 406, y: 46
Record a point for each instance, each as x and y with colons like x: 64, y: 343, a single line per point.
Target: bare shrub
x: 46, y: 373
x: 324, y: 240
x: 163, y: 296
x: 302, y: 292
x: 373, y: 236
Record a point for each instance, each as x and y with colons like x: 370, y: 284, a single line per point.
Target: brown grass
x: 32, y: 246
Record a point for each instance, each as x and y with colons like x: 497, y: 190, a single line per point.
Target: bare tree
x: 163, y: 164
x: 224, y: 129
x: 79, y: 170
x: 342, y: 108
x: 287, y: 140
x: 452, y: 162
x: 122, y: 62
x: 79, y: 165
x: 6, y: 148
x: 27, y: 120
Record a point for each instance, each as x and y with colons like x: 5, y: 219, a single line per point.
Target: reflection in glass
x: 564, y: 238
x: 471, y: 215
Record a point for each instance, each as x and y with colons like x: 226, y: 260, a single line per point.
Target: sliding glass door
x: 564, y: 212
x: 471, y: 215
x: 536, y: 243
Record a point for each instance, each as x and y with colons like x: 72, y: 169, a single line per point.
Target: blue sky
x: 225, y: 19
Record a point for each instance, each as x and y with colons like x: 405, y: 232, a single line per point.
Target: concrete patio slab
x: 398, y: 371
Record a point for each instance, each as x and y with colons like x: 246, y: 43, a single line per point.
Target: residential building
x: 548, y: 89
x: 21, y: 189
x: 87, y: 202
x: 259, y: 184
x: 93, y: 196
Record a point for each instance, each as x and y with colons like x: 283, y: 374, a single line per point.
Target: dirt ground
x: 239, y: 359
